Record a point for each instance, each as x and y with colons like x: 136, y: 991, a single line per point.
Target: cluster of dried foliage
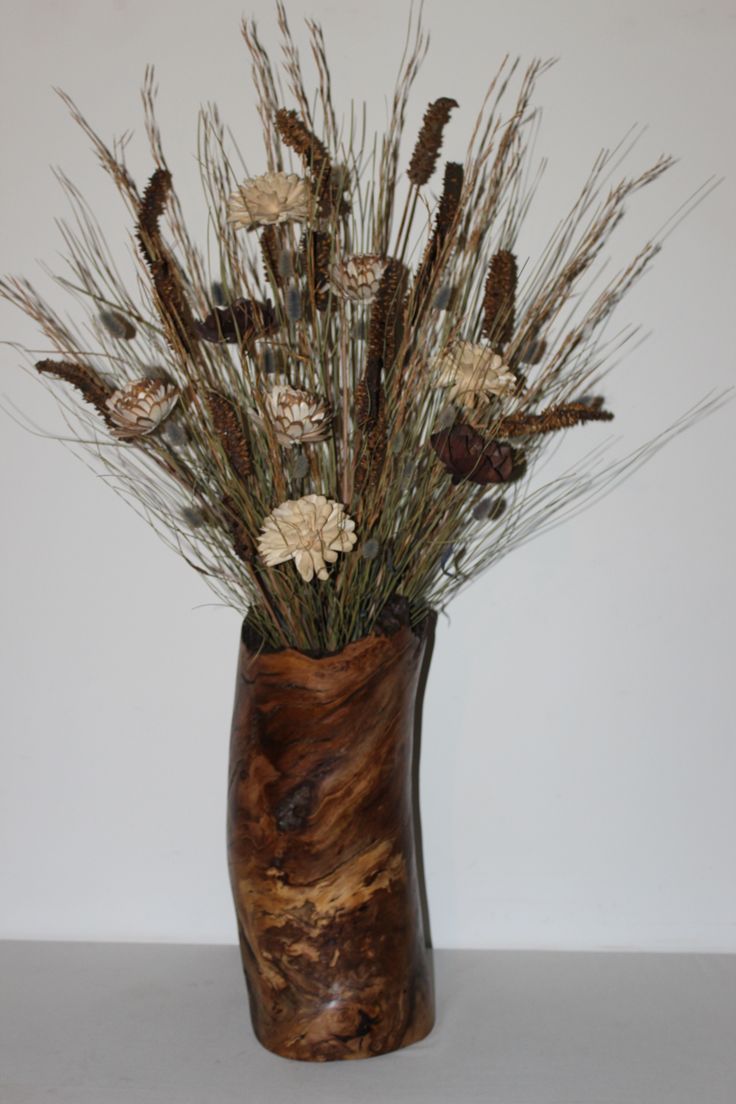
x: 352, y: 365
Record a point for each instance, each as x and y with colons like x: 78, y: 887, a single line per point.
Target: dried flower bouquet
x: 336, y: 407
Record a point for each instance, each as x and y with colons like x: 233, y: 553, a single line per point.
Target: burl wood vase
x: 321, y: 848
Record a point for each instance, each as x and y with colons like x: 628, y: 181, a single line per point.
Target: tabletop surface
x: 85, y: 1023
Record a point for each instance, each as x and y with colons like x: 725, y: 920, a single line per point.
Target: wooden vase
x: 321, y: 848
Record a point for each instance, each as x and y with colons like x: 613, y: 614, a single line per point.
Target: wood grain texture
x: 322, y: 851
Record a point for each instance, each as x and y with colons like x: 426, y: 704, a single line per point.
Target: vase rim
x: 255, y: 647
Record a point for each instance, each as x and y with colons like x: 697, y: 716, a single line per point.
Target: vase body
x: 321, y: 849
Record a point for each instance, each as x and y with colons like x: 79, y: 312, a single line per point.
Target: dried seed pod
x: 269, y: 358
x: 429, y: 142
x: 217, y: 292
x: 300, y: 469
x: 241, y: 322
x: 443, y: 298
x: 294, y: 307
x: 118, y: 325
x: 193, y: 516
x: 467, y: 455
x: 532, y: 351
x: 489, y: 509
x: 395, y: 614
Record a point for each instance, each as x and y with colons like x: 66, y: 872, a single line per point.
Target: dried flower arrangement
x: 351, y: 363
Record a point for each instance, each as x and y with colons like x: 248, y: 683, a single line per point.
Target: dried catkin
x: 429, y: 142
x: 444, y: 220
x: 384, y: 334
x: 561, y: 416
x: 297, y: 136
x: 315, y: 250
x: 92, y: 387
x: 228, y: 427
x: 373, y: 450
x: 172, y: 302
x: 271, y: 253
x: 499, y: 301
x: 242, y: 542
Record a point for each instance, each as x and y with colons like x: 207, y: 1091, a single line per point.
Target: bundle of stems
x: 333, y: 395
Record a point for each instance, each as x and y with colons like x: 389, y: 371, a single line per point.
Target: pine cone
x: 466, y: 455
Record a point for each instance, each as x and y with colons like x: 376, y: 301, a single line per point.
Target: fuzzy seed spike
x: 499, y: 302
x: 561, y: 416
x: 429, y: 142
x: 229, y: 429
x: 295, y: 134
x: 92, y: 387
x: 171, y: 300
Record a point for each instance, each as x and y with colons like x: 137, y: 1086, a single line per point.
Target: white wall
x: 579, y: 757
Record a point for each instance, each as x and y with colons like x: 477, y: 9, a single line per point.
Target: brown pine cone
x: 467, y: 455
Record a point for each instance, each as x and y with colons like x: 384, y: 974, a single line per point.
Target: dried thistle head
x: 298, y: 417
x: 140, y: 407
x: 358, y: 276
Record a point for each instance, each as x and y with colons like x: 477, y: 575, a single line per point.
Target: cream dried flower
x: 269, y: 199
x: 140, y: 407
x: 358, y: 277
x: 473, y: 373
x: 311, y: 531
x: 298, y: 417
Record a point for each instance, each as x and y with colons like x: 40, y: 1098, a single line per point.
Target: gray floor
x: 132, y: 1024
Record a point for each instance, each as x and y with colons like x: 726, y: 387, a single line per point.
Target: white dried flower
x: 358, y: 277
x: 139, y: 407
x: 473, y: 373
x: 269, y: 199
x: 311, y: 531
x: 298, y: 417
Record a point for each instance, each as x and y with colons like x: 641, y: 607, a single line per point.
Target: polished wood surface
x: 322, y: 850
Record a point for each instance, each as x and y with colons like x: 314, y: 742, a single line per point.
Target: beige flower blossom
x: 473, y: 373
x: 298, y: 417
x: 358, y: 277
x: 269, y: 199
x: 311, y: 531
x: 140, y: 407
